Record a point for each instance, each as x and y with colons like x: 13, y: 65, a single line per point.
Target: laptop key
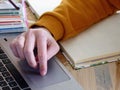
x: 9, y: 79
x: 1, y: 51
x: 3, y: 56
x: 1, y: 78
x: 16, y: 88
x: 5, y: 74
x: 1, y: 64
x: 6, y: 61
x: 6, y: 88
x: 12, y: 84
x: 3, y: 83
x: 3, y: 69
x: 19, y: 79
x: 27, y: 89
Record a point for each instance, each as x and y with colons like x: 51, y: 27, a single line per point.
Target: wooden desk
x: 102, y: 77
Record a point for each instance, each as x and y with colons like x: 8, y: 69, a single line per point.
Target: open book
x: 98, y: 45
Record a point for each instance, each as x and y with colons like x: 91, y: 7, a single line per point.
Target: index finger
x: 42, y: 54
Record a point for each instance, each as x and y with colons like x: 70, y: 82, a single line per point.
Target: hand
x: 24, y: 44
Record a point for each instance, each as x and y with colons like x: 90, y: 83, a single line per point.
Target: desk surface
x: 102, y: 77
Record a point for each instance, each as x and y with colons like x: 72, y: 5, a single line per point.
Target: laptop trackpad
x: 55, y: 74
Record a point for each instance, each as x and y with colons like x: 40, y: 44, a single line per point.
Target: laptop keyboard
x: 10, y: 78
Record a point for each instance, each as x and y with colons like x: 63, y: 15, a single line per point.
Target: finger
x: 42, y: 54
x: 13, y: 48
x: 20, y: 46
x: 53, y: 49
x: 28, y: 49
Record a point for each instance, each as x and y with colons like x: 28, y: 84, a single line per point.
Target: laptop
x: 18, y: 75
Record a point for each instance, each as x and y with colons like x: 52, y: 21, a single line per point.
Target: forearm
x: 74, y: 16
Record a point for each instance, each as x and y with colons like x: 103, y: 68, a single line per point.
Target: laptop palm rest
x: 54, y: 75
x: 57, y: 78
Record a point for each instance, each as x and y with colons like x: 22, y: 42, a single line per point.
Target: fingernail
x: 43, y: 73
x: 42, y: 70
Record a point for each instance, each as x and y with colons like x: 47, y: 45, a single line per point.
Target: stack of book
x: 11, y: 17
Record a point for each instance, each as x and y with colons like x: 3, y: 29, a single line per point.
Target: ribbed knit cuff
x: 52, y: 24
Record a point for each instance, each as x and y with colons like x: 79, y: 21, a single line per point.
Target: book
x: 12, y: 20
x: 9, y: 12
x: 98, y: 45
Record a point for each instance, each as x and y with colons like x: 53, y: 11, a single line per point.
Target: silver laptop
x: 17, y: 74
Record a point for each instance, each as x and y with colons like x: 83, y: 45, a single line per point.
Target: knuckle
x: 13, y: 43
x: 57, y: 47
x: 42, y: 33
x: 29, y: 32
x: 19, y: 44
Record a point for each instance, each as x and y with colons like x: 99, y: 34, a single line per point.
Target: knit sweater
x: 74, y: 16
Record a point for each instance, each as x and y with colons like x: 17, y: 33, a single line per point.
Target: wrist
x: 42, y: 27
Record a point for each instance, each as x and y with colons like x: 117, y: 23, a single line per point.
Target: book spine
x: 9, y: 13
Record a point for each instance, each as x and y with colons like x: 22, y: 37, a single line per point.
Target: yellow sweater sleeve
x: 74, y: 16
